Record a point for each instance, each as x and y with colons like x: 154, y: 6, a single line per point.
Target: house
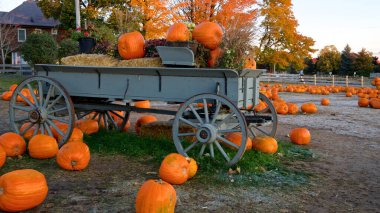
x: 27, y: 18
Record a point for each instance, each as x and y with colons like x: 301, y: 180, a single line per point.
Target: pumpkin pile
x: 7, y: 95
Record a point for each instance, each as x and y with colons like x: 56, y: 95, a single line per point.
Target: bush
x: 68, y: 47
x: 40, y: 48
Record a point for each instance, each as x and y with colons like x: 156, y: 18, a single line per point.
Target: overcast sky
x: 328, y: 22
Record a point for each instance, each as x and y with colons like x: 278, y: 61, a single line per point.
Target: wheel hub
x: 37, y: 116
x: 206, y: 133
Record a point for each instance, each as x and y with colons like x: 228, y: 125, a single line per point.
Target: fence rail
x: 15, y: 68
x: 316, y: 80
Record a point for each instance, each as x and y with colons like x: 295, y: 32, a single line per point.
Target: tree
x: 363, y: 65
x: 280, y: 44
x: 310, y: 65
x: 40, y: 48
x: 346, y: 61
x: 8, y: 39
x: 329, y: 60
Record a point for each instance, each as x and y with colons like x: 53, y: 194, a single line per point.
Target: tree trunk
x: 3, y: 58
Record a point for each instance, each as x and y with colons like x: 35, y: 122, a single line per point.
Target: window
x: 54, y: 31
x: 21, y: 35
x: 37, y: 30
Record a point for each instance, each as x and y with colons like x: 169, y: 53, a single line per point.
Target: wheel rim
x: 41, y: 103
x: 211, y: 124
x: 268, y: 128
x: 106, y: 119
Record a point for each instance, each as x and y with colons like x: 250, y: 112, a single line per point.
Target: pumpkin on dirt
x: 60, y: 126
x: 193, y: 167
x: 309, y: 108
x: 142, y: 104
x: 174, y: 169
x: 363, y: 102
x: 6, y: 96
x: 281, y: 108
x: 42, y: 147
x: 209, y: 34
x: 265, y: 144
x: 87, y: 126
x: 13, y: 144
x: 131, y: 45
x: 28, y: 133
x: 3, y: 156
x: 375, y: 103
x: 73, y: 156
x: 22, y: 190
x: 300, y: 136
x: 178, y: 32
x: 235, y: 137
x: 292, y: 108
x: 325, y: 102
x: 156, y: 196
x: 144, y: 120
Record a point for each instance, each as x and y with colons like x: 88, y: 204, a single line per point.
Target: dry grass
x: 90, y: 60
x: 141, y: 62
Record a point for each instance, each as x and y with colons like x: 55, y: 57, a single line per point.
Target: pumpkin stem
x: 73, y: 163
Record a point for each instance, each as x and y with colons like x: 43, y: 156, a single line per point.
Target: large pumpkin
x: 144, y: 120
x: 87, y: 126
x: 73, y: 156
x: 22, y: 190
x: 209, y: 34
x: 265, y: 144
x: 13, y: 144
x: 375, y: 103
x: 235, y: 137
x: 174, y: 169
x: 156, y: 196
x: 309, y: 108
x: 131, y: 45
x: 300, y: 136
x: 42, y: 147
x: 178, y: 32
x: 193, y: 167
x: 3, y: 156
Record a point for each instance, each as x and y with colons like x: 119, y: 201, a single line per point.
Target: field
x: 337, y: 172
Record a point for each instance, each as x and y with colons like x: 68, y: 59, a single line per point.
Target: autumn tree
x: 346, y: 61
x: 363, y: 65
x: 280, y: 45
x: 329, y: 60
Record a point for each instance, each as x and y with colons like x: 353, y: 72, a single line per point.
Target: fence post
x: 315, y: 80
x: 362, y: 81
x: 346, y: 80
x: 333, y: 80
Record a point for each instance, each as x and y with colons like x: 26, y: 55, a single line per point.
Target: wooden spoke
x: 227, y: 142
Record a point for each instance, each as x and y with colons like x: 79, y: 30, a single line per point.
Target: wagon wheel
x: 266, y: 118
x: 39, y: 104
x: 110, y: 119
x: 211, y: 122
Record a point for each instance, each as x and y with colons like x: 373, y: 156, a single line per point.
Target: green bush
x: 68, y: 47
x: 40, y: 48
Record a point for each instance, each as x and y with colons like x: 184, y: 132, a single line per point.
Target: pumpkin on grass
x: 156, y: 196
x: 22, y: 190
x: 174, y: 169
x: 144, y: 120
x: 76, y: 135
x: 28, y: 133
x: 309, y: 108
x: 6, y: 96
x: 42, y: 147
x: 193, y: 167
x: 87, y: 126
x: 73, y: 156
x: 3, y: 156
x: 235, y: 137
x: 131, y: 45
x: 265, y: 144
x: 300, y: 136
x: 13, y: 144
x: 209, y: 34
x: 178, y: 32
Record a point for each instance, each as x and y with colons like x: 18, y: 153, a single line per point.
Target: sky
x: 328, y: 22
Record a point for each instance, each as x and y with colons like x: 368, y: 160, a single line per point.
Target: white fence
x: 15, y: 68
x: 316, y: 80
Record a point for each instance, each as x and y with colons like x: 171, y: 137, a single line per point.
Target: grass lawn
x: 7, y: 79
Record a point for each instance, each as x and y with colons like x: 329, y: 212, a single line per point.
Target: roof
x: 27, y: 14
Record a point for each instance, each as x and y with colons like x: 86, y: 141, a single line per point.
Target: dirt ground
x: 345, y: 175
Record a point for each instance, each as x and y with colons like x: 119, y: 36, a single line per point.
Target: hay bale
x: 90, y: 60
x: 163, y: 129
x: 141, y: 62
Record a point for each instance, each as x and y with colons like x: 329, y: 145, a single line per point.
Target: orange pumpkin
x: 73, y: 156
x: 292, y: 108
x: 300, y: 136
x: 249, y: 63
x: 325, y: 102
x: 282, y: 108
x: 156, y: 196
x: 87, y: 126
x: 22, y: 190
x: 209, y: 34
x: 42, y: 147
x: 309, y: 108
x: 142, y: 104
x: 235, y: 137
x: 6, y: 96
x: 76, y: 135
x: 193, y: 167
x: 13, y: 87
x: 144, y: 120
x: 131, y: 45
x: 375, y: 103
x: 214, y: 56
x: 265, y: 144
x: 363, y: 102
x: 3, y: 156
x: 174, y: 169
x: 178, y: 32
x: 61, y: 126
x: 29, y: 133
x: 126, y: 127
x: 13, y: 144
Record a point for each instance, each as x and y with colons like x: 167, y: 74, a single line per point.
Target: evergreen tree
x: 346, y: 61
x: 363, y: 65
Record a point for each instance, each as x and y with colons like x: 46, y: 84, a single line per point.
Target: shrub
x: 40, y: 48
x: 68, y: 47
